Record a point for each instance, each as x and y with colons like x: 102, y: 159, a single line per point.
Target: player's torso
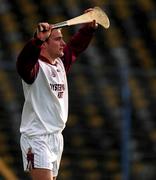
x: 46, y: 100
x: 55, y: 76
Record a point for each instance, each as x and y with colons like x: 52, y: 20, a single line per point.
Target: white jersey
x: 46, y: 101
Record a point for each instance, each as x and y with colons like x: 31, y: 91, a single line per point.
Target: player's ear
x: 43, y: 46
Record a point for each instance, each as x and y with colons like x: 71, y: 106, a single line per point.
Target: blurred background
x: 111, y: 131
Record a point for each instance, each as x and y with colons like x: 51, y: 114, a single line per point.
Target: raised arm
x: 27, y: 62
x: 78, y: 43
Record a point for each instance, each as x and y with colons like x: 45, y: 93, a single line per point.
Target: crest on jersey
x: 53, y: 74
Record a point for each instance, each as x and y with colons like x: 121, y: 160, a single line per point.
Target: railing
x: 6, y: 172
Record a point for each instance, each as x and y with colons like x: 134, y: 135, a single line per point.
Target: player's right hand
x: 43, y: 31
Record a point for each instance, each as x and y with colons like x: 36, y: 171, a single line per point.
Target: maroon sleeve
x: 27, y: 62
x: 78, y: 43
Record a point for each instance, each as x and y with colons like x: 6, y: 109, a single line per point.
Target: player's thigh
x: 41, y: 174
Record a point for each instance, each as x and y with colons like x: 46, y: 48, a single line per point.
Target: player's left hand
x: 92, y: 24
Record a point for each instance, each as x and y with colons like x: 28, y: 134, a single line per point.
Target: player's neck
x: 47, y: 60
x: 46, y: 57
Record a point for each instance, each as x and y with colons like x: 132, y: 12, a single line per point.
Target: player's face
x: 55, y: 44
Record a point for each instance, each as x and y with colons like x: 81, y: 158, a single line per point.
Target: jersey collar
x: 44, y: 59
